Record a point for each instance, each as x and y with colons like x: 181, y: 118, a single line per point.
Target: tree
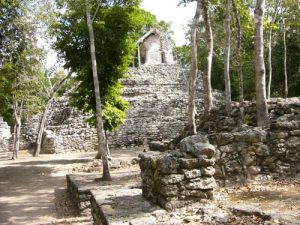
x: 286, y: 90
x: 261, y: 102
x: 50, y: 98
x: 116, y: 25
x: 271, y: 25
x: 101, y: 139
x: 227, y: 59
x: 20, y: 68
x: 238, y: 38
x: 20, y: 80
x: 208, y: 61
x: 193, y: 72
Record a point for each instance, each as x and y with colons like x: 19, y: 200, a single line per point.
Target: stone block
x: 168, y: 164
x: 187, y: 144
x: 221, y: 139
x: 203, y: 183
x: 172, y: 179
x: 203, y: 149
x: 262, y: 150
x: 208, y: 171
x: 191, y: 174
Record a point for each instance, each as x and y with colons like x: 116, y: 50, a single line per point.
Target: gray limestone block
x: 187, y: 144
x: 251, y: 136
x: 196, y: 163
x: 168, y: 164
x: 254, y: 170
x: 203, y: 149
x: 172, y: 179
x: 203, y: 183
x: 157, y: 146
x: 168, y: 190
x: 262, y: 150
x: 191, y: 174
x: 208, y: 171
x: 221, y: 139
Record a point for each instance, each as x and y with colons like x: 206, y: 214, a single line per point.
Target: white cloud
x: 169, y: 10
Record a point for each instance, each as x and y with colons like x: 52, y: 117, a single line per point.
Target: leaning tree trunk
x: 239, y: 52
x: 17, y: 128
x: 101, y: 138
x: 261, y: 101
x: 42, y: 128
x: 193, y: 73
x: 286, y: 90
x: 42, y: 125
x: 209, y: 53
x: 227, y: 60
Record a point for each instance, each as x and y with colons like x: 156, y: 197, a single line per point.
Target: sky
x: 169, y: 11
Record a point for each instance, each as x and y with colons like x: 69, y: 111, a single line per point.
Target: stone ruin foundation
x: 175, y: 178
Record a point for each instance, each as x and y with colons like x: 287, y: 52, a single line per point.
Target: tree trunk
x: 17, y: 128
x: 261, y: 102
x: 14, y: 156
x: 193, y: 73
x: 208, y: 61
x: 42, y: 128
x: 101, y: 138
x: 286, y: 90
x: 239, y: 52
x: 43, y: 120
x: 227, y: 59
x: 270, y: 64
x: 273, y: 19
x: 106, y: 142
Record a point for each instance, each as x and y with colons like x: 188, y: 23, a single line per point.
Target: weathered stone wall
x: 158, y: 95
x: 262, y: 154
x: 158, y: 98
x: 175, y: 178
x: 67, y: 132
x: 4, y: 135
x: 245, y: 152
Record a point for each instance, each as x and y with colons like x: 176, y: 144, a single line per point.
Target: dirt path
x: 33, y: 190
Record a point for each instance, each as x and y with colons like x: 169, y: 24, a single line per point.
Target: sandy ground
x: 33, y: 190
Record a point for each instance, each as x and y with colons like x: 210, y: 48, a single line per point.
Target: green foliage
x: 117, y: 26
x: 20, y: 69
x: 286, y: 9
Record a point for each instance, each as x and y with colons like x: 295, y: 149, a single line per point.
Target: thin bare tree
x: 101, y: 137
x: 227, y: 59
x: 238, y: 38
x: 42, y: 125
x: 208, y: 61
x: 286, y: 90
x: 193, y: 72
x: 272, y: 20
x: 261, y: 101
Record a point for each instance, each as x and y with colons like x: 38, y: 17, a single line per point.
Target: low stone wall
x: 79, y: 194
x: 245, y: 152
x: 256, y: 154
x: 175, y: 178
x: 4, y: 135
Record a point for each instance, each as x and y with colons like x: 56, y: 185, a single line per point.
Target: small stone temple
x: 155, y: 47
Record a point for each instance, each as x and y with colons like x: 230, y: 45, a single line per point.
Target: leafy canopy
x: 117, y: 26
